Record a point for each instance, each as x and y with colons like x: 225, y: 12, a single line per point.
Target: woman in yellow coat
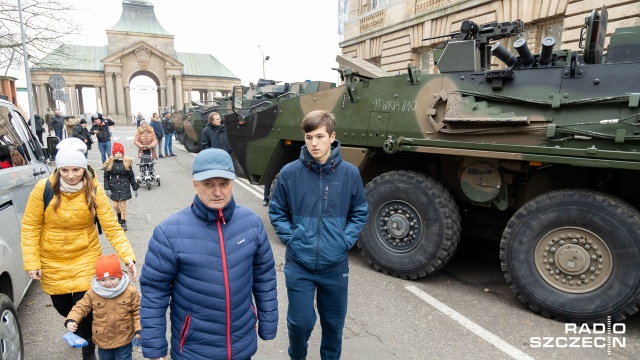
x: 60, y: 243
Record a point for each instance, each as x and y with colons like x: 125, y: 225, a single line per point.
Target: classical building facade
x: 137, y: 45
x: 390, y: 33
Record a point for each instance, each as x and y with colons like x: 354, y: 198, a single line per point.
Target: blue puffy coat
x: 212, y: 310
x: 317, y: 210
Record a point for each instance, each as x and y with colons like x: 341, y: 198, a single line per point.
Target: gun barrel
x: 441, y: 36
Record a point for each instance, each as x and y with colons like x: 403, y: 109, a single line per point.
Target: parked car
x: 22, y: 163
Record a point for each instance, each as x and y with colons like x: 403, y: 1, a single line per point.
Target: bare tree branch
x: 47, y: 23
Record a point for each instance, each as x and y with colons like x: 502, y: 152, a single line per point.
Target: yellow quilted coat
x: 64, y: 244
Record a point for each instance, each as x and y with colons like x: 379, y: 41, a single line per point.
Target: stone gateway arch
x: 137, y: 45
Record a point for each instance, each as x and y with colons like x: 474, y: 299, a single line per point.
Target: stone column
x: 189, y: 95
x: 103, y: 94
x: 127, y: 97
x: 179, y: 94
x: 163, y: 97
x: 111, y: 96
x: 120, y: 96
x: 170, y: 94
x: 36, y: 98
x: 52, y: 104
x: 73, y: 97
x: 210, y: 95
x: 99, y: 103
x: 80, y: 101
x: 42, y: 99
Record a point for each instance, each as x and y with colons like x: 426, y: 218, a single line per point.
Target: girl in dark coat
x: 118, y: 181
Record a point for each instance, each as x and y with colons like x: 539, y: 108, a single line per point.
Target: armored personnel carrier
x: 542, y: 155
x: 190, y: 122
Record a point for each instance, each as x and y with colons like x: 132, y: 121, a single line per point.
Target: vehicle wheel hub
x: 573, y: 260
x: 399, y: 226
x: 9, y: 336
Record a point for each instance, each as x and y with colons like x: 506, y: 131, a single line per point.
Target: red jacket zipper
x: 226, y: 282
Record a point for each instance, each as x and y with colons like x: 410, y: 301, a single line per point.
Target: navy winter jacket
x: 215, y: 137
x: 157, y: 129
x: 209, y: 284
x: 317, y: 210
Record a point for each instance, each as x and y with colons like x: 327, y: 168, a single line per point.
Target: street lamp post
x: 32, y: 120
x: 264, y: 60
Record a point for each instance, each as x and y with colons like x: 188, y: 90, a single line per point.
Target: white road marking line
x: 181, y: 147
x: 470, y: 325
x: 130, y: 137
x: 243, y: 183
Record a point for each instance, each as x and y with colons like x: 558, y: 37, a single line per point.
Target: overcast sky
x: 299, y: 36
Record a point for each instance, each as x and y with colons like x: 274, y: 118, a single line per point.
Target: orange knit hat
x: 107, y: 266
x: 117, y: 147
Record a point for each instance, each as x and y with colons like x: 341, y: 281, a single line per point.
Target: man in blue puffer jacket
x: 208, y: 262
x: 318, y: 209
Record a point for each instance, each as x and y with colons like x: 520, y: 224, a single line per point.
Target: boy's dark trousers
x: 332, y: 290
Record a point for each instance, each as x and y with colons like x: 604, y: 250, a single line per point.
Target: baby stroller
x: 147, y: 176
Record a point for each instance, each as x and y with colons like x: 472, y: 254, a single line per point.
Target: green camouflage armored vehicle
x: 543, y: 155
x: 190, y: 122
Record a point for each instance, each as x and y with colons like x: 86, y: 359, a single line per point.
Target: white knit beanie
x: 71, y: 153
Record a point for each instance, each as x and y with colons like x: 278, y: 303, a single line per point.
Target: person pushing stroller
x: 145, y: 139
x: 119, y: 179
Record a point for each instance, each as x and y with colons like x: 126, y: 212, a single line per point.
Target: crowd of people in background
x: 54, y: 123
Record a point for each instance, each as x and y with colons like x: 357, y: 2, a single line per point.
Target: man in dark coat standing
x: 214, y: 135
x: 39, y: 127
x: 101, y: 129
x: 57, y: 123
x: 80, y: 131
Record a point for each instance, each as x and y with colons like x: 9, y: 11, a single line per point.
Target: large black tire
x: 272, y: 186
x: 189, y: 144
x: 572, y: 255
x: 11, y: 342
x: 413, y: 227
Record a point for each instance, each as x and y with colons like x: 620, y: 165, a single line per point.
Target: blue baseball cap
x: 213, y: 163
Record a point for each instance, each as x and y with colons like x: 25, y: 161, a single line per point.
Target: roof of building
x: 203, y: 65
x: 88, y: 58
x: 138, y: 16
x: 74, y: 57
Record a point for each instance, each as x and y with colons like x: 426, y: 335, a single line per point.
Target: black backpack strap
x: 48, y: 194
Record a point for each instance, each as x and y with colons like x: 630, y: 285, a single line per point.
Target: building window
x: 376, y: 4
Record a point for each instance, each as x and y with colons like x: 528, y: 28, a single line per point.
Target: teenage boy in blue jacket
x: 318, y: 209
